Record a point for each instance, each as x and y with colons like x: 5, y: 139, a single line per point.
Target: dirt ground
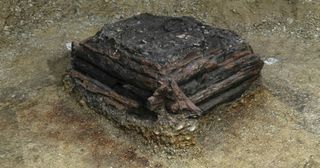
x: 278, y: 125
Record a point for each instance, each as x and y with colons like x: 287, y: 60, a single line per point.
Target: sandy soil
x: 42, y: 126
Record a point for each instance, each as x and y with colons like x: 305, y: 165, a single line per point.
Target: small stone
x: 289, y: 20
x: 192, y: 128
x: 69, y: 46
x: 181, y: 36
x: 179, y: 127
x: 82, y: 102
x: 270, y: 61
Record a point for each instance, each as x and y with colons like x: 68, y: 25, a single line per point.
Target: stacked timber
x: 159, y: 74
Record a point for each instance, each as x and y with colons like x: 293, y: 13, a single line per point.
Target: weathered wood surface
x: 165, y: 65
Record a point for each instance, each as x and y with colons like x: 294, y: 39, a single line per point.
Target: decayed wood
x: 111, y: 66
x: 249, y: 64
x: 111, y: 81
x: 112, y: 97
x: 226, y: 96
x: 164, y: 66
x: 170, y: 96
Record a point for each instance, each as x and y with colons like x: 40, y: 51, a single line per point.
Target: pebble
x: 270, y: 61
x: 69, y: 46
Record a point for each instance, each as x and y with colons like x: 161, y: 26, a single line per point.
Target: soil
x: 278, y: 125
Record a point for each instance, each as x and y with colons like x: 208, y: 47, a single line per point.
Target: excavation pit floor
x: 43, y: 126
